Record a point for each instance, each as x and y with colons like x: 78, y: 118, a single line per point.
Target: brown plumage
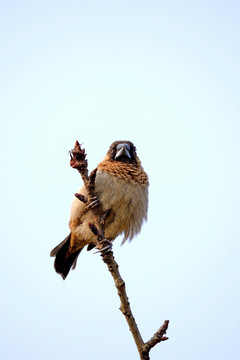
x: 120, y: 185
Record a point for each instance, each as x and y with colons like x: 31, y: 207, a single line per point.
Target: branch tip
x: 164, y: 338
x: 157, y: 338
x: 78, y: 159
x: 81, y: 198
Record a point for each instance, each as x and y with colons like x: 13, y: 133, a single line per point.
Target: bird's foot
x: 103, y: 250
x: 92, y: 203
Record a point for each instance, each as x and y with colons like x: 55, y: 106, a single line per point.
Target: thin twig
x: 79, y: 162
x: 157, y: 338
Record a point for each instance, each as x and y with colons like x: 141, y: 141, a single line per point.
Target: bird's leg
x: 104, y: 249
x: 92, y: 203
x: 104, y: 245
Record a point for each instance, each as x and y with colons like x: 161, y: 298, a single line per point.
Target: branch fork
x: 78, y: 161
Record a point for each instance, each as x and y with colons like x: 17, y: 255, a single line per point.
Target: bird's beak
x: 123, y: 151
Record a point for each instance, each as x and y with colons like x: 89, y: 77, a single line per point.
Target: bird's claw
x: 92, y: 203
x: 106, y: 248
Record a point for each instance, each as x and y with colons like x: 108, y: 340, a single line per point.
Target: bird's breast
x: 127, y: 200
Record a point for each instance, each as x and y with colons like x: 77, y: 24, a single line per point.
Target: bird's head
x: 123, y: 151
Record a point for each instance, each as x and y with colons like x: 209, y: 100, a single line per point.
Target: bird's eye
x: 119, y: 146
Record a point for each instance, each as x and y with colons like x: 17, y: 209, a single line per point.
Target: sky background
x: 165, y: 75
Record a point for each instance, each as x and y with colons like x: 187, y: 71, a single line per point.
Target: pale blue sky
x: 164, y: 75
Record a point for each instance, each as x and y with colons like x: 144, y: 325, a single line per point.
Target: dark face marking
x: 123, y: 151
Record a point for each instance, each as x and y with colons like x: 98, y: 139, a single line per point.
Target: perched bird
x: 121, y: 185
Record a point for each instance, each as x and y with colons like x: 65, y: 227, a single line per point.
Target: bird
x: 121, y: 185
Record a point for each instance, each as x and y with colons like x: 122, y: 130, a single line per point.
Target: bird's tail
x: 63, y: 259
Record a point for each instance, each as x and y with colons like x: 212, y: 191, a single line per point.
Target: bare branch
x: 125, y: 305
